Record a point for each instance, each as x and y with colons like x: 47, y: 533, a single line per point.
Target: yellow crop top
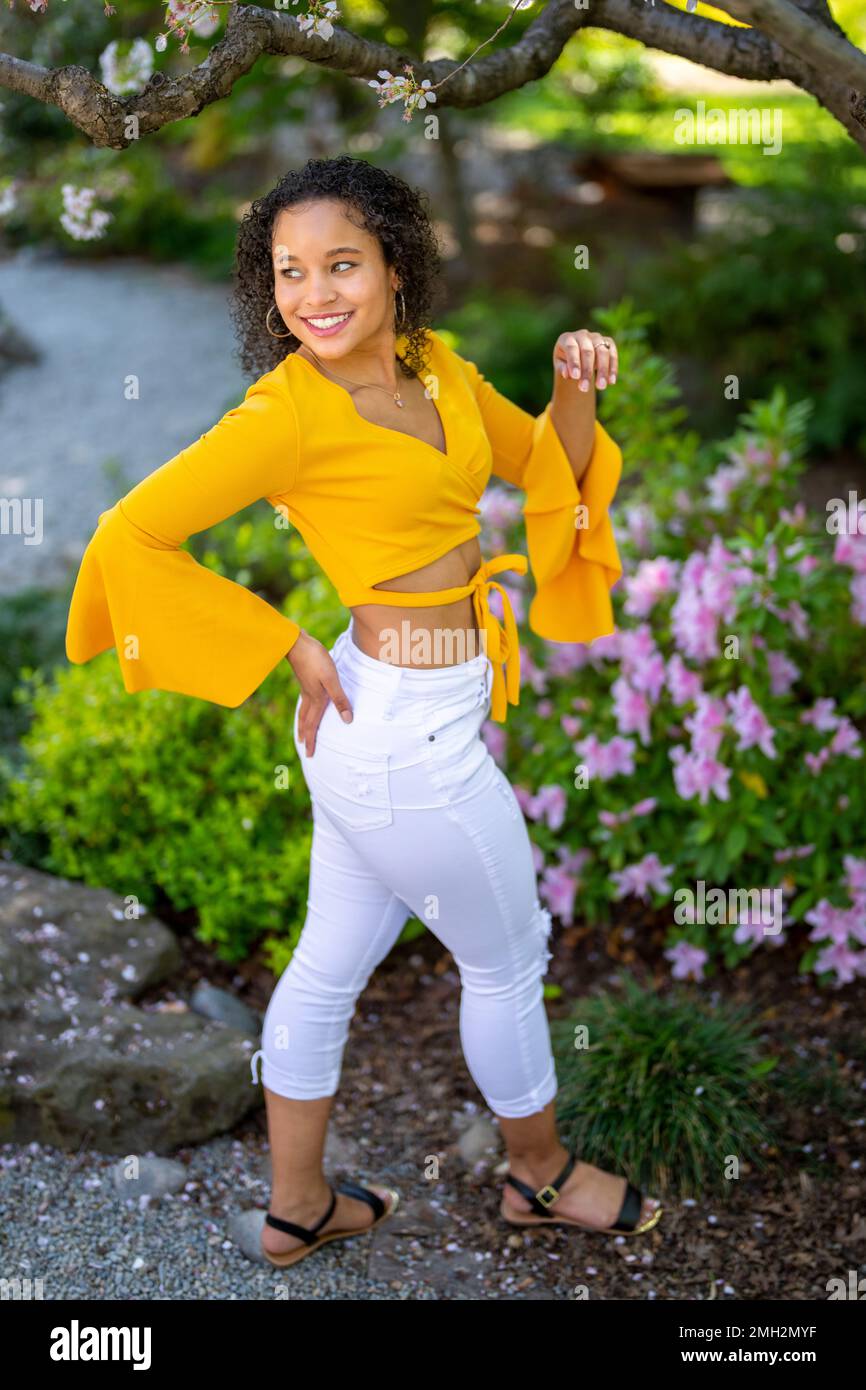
x: 371, y: 503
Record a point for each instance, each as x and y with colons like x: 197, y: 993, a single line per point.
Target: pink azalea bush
x: 716, y: 735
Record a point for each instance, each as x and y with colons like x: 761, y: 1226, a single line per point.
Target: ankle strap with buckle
x: 547, y: 1195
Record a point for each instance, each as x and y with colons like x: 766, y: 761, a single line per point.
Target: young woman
x: 376, y: 440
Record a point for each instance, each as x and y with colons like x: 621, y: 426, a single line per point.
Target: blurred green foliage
x: 32, y: 633
x: 169, y: 799
x: 777, y: 290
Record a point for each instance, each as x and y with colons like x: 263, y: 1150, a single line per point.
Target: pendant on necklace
x: 397, y: 399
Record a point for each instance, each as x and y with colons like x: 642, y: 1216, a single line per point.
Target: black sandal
x: 309, y: 1237
x: 626, y: 1223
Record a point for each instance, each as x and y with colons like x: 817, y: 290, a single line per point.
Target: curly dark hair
x: 386, y: 207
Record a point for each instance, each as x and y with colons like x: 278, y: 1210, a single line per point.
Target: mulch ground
x: 406, y: 1096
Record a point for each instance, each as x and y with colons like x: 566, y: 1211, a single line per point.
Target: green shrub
x: 252, y: 550
x: 661, y: 1090
x: 165, y: 797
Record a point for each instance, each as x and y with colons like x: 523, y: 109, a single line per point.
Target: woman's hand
x: 579, y: 356
x: 317, y: 676
x: 582, y: 354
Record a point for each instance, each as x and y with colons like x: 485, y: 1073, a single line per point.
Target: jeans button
x: 431, y: 738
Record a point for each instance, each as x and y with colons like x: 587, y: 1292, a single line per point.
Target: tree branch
x: 826, y: 67
x: 806, y: 38
x: 745, y: 53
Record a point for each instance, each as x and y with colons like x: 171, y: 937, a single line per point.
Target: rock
x: 245, y: 1229
x: 153, y: 1178
x: 387, y: 1266
x: 71, y: 941
x: 79, y: 1062
x: 416, y: 1217
x: 480, y: 1140
x: 222, y: 1007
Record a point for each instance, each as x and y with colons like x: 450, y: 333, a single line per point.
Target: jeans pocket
x: 352, y: 787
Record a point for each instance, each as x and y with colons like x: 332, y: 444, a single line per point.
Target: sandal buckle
x: 541, y: 1196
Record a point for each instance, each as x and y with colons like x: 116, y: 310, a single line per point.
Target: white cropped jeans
x: 412, y: 816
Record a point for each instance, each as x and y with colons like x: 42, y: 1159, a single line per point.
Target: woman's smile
x: 326, y: 325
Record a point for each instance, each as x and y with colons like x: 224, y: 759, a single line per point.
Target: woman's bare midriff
x: 439, y: 635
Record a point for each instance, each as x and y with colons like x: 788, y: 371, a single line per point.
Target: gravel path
x: 64, y: 1223
x: 65, y: 420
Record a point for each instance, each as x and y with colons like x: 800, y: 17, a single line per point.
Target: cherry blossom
x: 126, y: 70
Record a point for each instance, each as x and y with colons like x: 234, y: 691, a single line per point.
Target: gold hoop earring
x: 268, y: 325
x: 402, y: 318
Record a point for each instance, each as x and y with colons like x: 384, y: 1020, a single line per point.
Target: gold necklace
x: 395, y: 395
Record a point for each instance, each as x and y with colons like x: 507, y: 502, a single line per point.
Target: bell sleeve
x: 176, y: 624
x: 573, y: 555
